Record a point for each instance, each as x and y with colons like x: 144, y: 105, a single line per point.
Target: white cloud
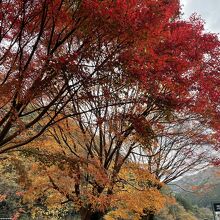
x: 209, y: 11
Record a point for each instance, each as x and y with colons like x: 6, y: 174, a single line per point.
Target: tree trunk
x: 88, y: 214
x: 151, y: 217
x: 148, y: 217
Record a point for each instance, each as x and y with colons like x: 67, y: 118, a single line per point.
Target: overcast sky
x: 208, y: 9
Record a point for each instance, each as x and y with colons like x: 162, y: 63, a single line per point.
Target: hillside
x: 194, y: 195
x: 200, y: 189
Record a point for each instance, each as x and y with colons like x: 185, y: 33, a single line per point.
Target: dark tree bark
x: 89, y: 214
x: 149, y: 216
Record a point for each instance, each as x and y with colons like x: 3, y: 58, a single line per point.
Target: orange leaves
x: 139, y: 173
x: 2, y: 197
x: 100, y: 202
x: 20, y: 193
x: 49, y: 185
x: 138, y: 193
x: 97, y: 173
x: 17, y: 214
x: 132, y: 204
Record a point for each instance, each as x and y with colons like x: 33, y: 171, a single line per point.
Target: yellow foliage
x: 138, y: 193
x: 55, y: 173
x: 133, y: 203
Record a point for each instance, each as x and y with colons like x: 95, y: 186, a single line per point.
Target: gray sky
x: 208, y: 9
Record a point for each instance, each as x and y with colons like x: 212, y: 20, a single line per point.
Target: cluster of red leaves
x: 129, y: 18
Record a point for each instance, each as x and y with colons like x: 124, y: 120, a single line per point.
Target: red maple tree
x: 53, y: 50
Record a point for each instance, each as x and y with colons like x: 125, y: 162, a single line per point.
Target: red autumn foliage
x: 53, y: 50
